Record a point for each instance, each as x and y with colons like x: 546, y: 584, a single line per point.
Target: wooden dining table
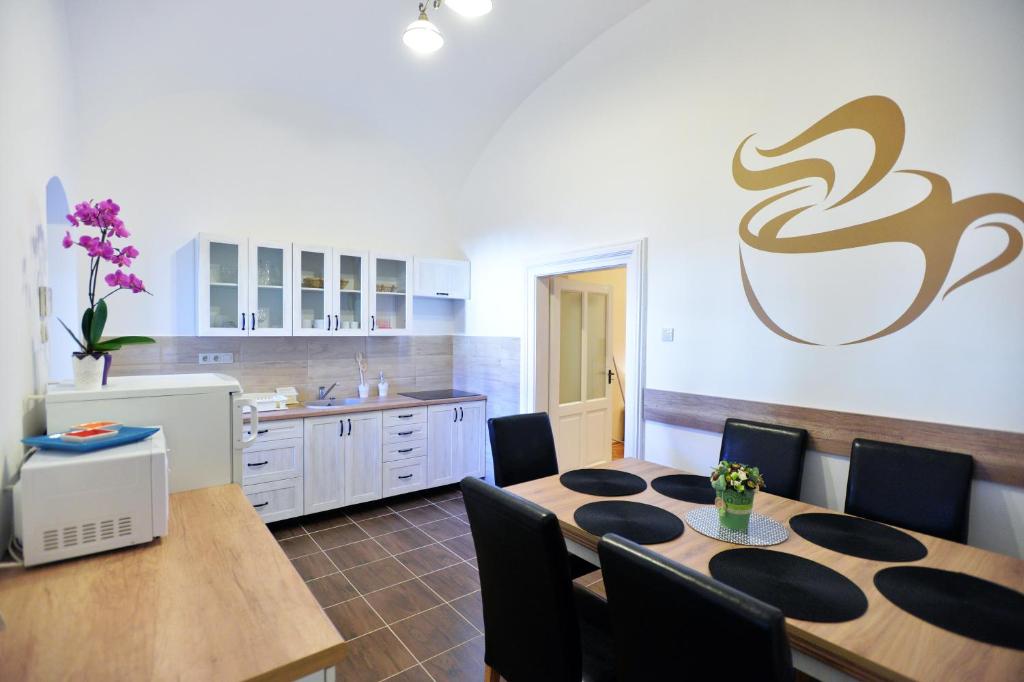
x: 885, y: 643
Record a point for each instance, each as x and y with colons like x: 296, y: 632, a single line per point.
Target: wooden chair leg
x: 490, y: 674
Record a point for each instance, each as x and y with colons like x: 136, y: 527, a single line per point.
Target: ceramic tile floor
x: 398, y: 578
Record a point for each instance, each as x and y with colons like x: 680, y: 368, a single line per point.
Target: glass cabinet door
x: 222, y: 290
x: 392, y: 305
x: 350, y: 278
x: 270, y: 304
x: 313, y: 312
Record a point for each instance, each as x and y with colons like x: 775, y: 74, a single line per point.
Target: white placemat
x: 761, y: 532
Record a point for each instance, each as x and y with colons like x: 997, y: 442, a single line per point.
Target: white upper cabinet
x: 241, y: 287
x: 351, y: 281
x: 440, y: 278
x: 390, y: 295
x: 329, y: 291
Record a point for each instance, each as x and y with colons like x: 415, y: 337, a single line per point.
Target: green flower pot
x: 734, y: 508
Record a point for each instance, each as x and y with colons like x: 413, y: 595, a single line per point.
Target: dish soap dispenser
x: 382, y: 386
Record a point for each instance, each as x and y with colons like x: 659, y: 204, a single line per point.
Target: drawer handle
x: 406, y: 476
x: 258, y: 464
x: 406, y: 416
x: 261, y: 504
x: 406, y: 450
x: 262, y: 431
x: 405, y: 433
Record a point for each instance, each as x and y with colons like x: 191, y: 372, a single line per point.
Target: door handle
x: 405, y: 433
x: 406, y: 476
x: 337, y: 323
x: 610, y: 373
x: 262, y: 431
x: 258, y: 464
x: 440, y: 293
x: 462, y: 414
x: 405, y: 416
x: 243, y: 322
x: 406, y: 450
x: 455, y: 414
x: 341, y: 427
x: 261, y: 504
x: 350, y: 427
x: 373, y: 322
x: 253, y: 325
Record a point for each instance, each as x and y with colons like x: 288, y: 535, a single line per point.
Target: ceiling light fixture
x: 424, y: 37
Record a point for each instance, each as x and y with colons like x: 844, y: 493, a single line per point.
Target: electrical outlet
x: 216, y: 358
x: 668, y: 334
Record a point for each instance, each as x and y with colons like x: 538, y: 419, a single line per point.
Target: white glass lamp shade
x: 469, y: 8
x: 422, y: 36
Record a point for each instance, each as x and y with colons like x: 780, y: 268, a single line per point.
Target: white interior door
x: 579, y: 396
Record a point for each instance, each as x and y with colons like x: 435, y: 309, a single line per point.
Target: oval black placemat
x: 685, y: 487
x: 801, y: 588
x: 636, y: 521
x: 957, y: 602
x: 603, y: 482
x: 858, y: 537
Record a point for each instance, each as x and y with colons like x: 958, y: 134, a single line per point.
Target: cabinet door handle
x: 405, y: 416
x: 350, y: 427
x: 405, y: 433
x: 243, y: 322
x: 373, y: 322
x: 341, y: 427
x: 258, y: 464
x: 260, y: 432
x: 253, y: 325
x: 261, y: 504
x: 406, y: 450
x: 406, y: 476
x: 440, y: 293
x: 337, y: 323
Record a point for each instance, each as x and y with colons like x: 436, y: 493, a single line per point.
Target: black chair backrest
x: 531, y: 632
x: 672, y: 623
x: 915, y: 488
x: 523, y: 448
x: 778, y: 451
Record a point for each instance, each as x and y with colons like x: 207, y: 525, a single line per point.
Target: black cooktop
x: 439, y: 395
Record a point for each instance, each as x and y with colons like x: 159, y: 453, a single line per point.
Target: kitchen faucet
x: 323, y: 393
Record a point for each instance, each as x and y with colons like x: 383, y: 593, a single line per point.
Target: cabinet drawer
x: 278, y: 430
x: 276, y: 500
x: 411, y: 415
x: 272, y: 461
x: 404, y: 433
x: 405, y: 476
x: 397, y: 451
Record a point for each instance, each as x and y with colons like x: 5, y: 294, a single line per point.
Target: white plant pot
x: 88, y: 372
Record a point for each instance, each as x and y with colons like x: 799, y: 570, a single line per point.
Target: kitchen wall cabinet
x: 363, y: 453
x: 329, y: 291
x: 323, y: 462
x: 391, y: 287
x: 242, y: 287
x: 455, y: 442
x: 442, y: 278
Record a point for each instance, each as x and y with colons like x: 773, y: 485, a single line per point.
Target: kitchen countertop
x: 217, y: 599
x: 368, y: 405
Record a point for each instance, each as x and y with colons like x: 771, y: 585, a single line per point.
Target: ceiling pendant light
x: 421, y: 35
x: 469, y: 8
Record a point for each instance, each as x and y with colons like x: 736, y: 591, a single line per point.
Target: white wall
x: 635, y: 137
x: 34, y: 128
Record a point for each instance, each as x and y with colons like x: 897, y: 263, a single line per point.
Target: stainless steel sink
x: 334, y: 402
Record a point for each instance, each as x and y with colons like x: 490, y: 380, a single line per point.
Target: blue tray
x: 126, y: 434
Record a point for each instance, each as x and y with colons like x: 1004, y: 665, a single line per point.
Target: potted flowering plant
x: 92, y: 363
x: 735, y: 485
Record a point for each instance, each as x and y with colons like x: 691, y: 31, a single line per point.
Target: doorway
x: 583, y: 353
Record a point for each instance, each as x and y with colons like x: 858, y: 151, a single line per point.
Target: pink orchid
x: 67, y: 242
x: 72, y: 219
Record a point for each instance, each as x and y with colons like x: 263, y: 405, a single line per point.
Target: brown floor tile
x: 426, y: 514
x: 464, y: 518
x: 431, y: 632
x: 313, y: 566
x: 373, y: 657
x: 332, y: 589
x: 298, y: 546
x: 368, y: 511
x: 442, y: 494
x: 377, y: 575
x: 325, y: 520
x: 282, y: 530
x: 416, y: 674
x: 474, y: 564
x: 445, y: 529
x: 404, y: 540
x: 388, y: 523
x: 588, y: 579
x: 427, y: 559
x: 462, y: 545
x: 464, y: 663
x: 354, y: 618
x: 453, y: 507
x: 341, y: 535
x: 402, y: 600
x: 598, y: 588
x: 356, y: 554
x: 472, y: 608
x: 454, y: 581
x: 403, y: 503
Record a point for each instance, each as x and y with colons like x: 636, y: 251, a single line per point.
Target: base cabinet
x: 276, y: 500
x: 455, y: 442
x: 323, y: 463
x: 362, y: 447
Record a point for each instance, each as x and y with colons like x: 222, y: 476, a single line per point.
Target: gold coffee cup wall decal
x: 934, y: 225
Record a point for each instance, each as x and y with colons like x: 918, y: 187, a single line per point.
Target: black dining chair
x: 919, y: 489
x: 670, y: 622
x: 539, y: 626
x: 778, y: 451
x: 523, y: 448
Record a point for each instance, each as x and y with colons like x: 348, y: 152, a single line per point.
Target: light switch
x: 668, y: 334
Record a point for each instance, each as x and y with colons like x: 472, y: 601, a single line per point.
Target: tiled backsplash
x: 489, y: 365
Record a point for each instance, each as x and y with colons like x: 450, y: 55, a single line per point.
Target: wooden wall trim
x: 998, y: 455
